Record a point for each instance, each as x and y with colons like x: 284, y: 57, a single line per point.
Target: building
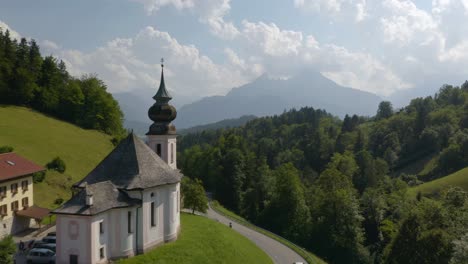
x: 16, y: 194
x: 129, y: 203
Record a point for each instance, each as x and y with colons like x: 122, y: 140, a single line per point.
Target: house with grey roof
x: 129, y: 203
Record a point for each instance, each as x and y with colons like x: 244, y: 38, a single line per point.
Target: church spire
x: 162, y: 113
x: 162, y: 96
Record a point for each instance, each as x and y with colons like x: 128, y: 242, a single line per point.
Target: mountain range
x: 261, y: 97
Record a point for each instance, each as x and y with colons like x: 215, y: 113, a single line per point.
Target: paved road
x: 278, y: 252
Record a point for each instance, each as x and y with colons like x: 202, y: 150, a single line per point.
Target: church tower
x: 162, y: 137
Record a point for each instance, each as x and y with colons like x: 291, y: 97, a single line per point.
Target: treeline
x: 44, y: 84
x: 339, y: 187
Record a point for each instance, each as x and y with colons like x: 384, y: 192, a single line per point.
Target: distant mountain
x: 226, y: 123
x: 265, y: 96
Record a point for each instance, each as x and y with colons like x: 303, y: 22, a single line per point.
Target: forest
x: 44, y: 84
x: 340, y: 187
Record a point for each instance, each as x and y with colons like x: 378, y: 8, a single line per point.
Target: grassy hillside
x: 41, y: 138
x: 459, y: 178
x: 203, y: 240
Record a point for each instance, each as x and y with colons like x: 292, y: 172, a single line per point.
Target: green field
x: 203, y: 240
x: 459, y: 178
x: 41, y: 138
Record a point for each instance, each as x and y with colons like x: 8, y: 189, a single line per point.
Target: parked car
x: 52, y: 234
x: 40, y: 255
x: 49, y: 239
x: 45, y: 245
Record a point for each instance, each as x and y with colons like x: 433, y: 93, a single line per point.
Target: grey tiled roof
x: 132, y: 165
x: 105, y: 196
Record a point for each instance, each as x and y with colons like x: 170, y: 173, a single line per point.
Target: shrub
x: 6, y: 149
x: 57, y: 164
x: 39, y: 176
x: 58, y: 201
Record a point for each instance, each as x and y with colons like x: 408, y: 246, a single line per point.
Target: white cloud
x: 355, y: 9
x: 13, y: 34
x: 272, y: 40
x: 209, y: 12
x: 133, y: 64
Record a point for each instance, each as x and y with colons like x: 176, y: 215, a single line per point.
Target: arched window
x: 172, y: 153
x: 158, y: 149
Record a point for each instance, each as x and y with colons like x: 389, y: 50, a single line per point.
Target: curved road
x: 278, y: 252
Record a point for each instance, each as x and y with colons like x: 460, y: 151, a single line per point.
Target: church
x: 129, y: 203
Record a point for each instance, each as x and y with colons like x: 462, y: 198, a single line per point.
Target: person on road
x: 230, y: 224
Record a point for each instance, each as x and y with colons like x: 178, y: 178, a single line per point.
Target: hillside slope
x: 41, y: 138
x: 459, y: 178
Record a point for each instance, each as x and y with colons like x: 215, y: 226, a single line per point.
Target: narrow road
x: 278, y: 252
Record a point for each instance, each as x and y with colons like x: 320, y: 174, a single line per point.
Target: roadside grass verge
x: 308, y: 256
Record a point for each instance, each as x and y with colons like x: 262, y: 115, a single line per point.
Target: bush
x: 7, y: 249
x: 57, y: 164
x: 58, y: 201
x: 6, y: 149
x: 39, y: 176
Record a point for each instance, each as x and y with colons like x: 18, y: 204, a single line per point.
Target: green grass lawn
x: 459, y: 178
x: 308, y: 256
x: 203, y: 240
x: 41, y: 138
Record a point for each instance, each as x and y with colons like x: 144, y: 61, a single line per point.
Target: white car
x: 40, y: 255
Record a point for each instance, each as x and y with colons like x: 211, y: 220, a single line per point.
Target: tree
x: 384, y: 111
x: 336, y: 220
x: 6, y: 149
x: 460, y: 250
x: 7, y: 249
x: 57, y: 164
x: 194, y: 195
x: 287, y: 213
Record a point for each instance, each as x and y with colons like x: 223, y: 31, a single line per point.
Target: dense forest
x: 340, y: 187
x: 44, y: 84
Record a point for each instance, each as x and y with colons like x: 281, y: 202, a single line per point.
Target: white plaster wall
x: 153, y: 235
x: 172, y: 219
x: 166, y: 150
x: 127, y: 240
x: 67, y: 244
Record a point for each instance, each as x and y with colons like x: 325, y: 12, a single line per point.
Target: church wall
x: 74, y: 238
x: 127, y: 240
x: 153, y: 235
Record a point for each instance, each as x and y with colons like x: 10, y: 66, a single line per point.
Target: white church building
x: 129, y: 203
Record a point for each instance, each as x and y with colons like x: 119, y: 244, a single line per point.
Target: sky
x: 211, y: 46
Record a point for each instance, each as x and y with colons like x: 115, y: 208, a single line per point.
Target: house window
x: 25, y: 202
x: 24, y: 185
x: 153, y: 218
x: 3, y: 192
x: 101, y: 252
x: 158, y: 149
x: 3, y: 210
x: 14, y: 188
x: 129, y: 221
x: 172, y: 153
x: 101, y: 227
x: 14, y: 206
x: 73, y: 259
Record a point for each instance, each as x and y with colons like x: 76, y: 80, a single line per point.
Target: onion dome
x: 162, y: 113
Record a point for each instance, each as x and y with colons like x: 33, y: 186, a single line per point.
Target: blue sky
x: 211, y: 46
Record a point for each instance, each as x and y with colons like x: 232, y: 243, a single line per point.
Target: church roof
x: 132, y: 165
x: 105, y: 196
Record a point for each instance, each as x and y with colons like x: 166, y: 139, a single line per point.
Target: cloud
x: 13, y: 34
x: 209, y: 12
x: 355, y: 9
x: 132, y: 64
x: 272, y: 40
